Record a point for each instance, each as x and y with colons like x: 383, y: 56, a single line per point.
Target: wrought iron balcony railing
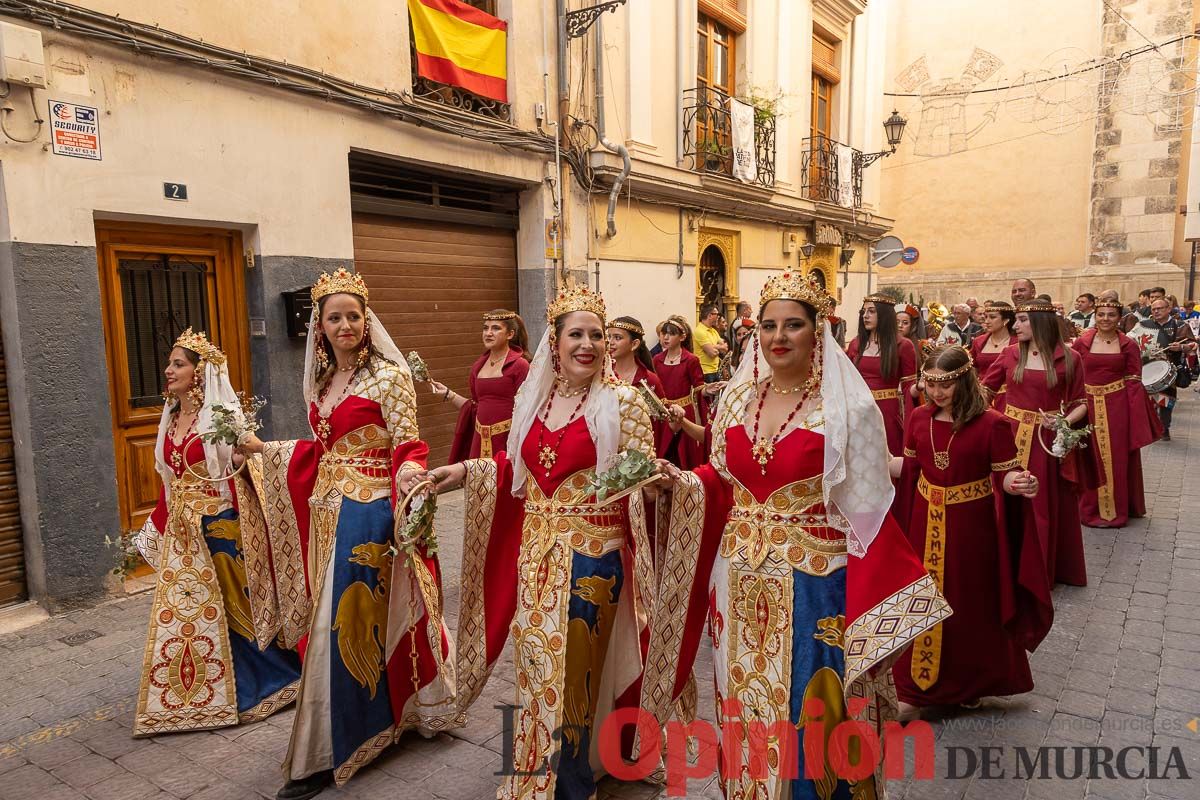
x: 708, y: 135
x: 831, y: 172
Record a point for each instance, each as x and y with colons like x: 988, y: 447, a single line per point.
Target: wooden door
x: 822, y: 168
x: 431, y: 283
x: 156, y: 280
x: 715, y: 56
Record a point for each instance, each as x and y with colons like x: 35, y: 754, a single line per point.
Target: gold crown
x: 340, y: 282
x: 199, y: 344
x: 802, y: 288
x: 879, y: 298
x: 575, y: 297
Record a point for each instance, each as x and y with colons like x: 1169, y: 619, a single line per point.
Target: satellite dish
x: 887, y: 252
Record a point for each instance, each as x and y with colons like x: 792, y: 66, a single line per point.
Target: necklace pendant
x: 324, y: 429
x: 762, y: 451
x: 176, y: 459
x: 546, y: 457
x: 941, y: 459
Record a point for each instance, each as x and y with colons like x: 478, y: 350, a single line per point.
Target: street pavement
x: 1120, y: 670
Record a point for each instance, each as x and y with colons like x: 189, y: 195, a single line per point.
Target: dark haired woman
x: 632, y: 361
x: 567, y: 573
x: 959, y: 463
x: 211, y: 657
x: 998, y: 321
x: 683, y: 381
x: 1123, y: 415
x: 782, y: 550
x: 369, y: 618
x: 1044, y: 376
x: 485, y: 417
x: 887, y: 362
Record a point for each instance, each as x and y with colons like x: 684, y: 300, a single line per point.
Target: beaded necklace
x: 547, y: 455
x: 177, y: 449
x: 324, y: 429
x: 764, y: 449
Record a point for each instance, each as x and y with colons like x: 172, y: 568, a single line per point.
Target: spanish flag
x: 460, y: 45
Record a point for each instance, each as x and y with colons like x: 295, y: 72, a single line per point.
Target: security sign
x: 74, y: 130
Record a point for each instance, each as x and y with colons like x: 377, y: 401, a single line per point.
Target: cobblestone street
x: 1120, y: 669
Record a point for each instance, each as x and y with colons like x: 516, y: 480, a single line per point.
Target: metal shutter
x: 12, y: 549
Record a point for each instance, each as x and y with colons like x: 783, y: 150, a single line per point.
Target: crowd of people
x: 804, y: 493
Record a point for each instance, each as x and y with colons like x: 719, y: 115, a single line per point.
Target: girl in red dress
x: 1123, y: 415
x: 632, y: 361
x: 1044, y: 376
x: 959, y: 463
x: 887, y: 362
x: 682, y: 381
x: 485, y: 417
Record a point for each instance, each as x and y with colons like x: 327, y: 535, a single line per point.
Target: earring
x: 554, y: 360
x: 364, y: 350
x: 813, y: 384
x: 197, y: 391
x: 319, y: 354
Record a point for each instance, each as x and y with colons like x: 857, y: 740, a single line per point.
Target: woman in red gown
x: 887, y: 362
x: 1123, y: 415
x: 682, y: 381
x: 959, y: 464
x: 1044, y: 376
x: 565, y: 572
x: 782, y: 548
x: 485, y: 417
x: 633, y: 363
x: 998, y: 320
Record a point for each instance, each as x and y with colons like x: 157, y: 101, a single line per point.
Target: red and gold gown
x: 984, y: 360
x: 212, y: 658
x: 1125, y: 421
x: 1055, y: 509
x: 367, y: 620
x: 889, y: 391
x: 486, y: 418
x: 792, y: 615
x: 568, y: 577
x: 681, y: 382
x: 986, y: 562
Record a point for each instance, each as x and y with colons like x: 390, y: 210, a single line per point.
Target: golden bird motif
x: 585, y: 655
x: 231, y: 577
x: 361, y: 619
x: 228, y: 529
x: 831, y: 630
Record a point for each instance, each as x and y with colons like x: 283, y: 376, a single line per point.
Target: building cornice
x: 839, y: 13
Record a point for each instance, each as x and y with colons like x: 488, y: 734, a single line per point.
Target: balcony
x: 831, y: 172
x: 708, y: 135
x: 459, y: 98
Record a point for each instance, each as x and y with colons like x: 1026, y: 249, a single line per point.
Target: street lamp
x: 893, y: 128
x: 807, y: 249
x: 847, y: 256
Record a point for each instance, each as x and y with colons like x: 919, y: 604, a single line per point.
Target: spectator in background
x: 744, y: 311
x: 1140, y: 312
x: 960, y: 330
x: 1022, y: 291
x: 837, y: 325
x: 707, y: 343
x: 1085, y: 311
x: 978, y: 315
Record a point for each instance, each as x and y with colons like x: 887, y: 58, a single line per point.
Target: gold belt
x: 591, y: 530
x: 486, y: 432
x: 1026, y: 422
x: 784, y: 526
x: 355, y: 475
x: 885, y: 394
x: 683, y: 402
x: 1105, y: 494
x: 1108, y: 388
x: 927, y: 650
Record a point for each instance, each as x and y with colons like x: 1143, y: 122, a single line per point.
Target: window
x: 714, y: 55
x: 488, y: 6
x: 825, y: 77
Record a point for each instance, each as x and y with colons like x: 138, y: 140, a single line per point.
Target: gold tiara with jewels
x: 199, y: 344
x: 499, y: 316
x: 342, y: 281
x: 879, y: 298
x: 997, y: 305
x: 575, y: 297
x: 628, y: 326
x: 1110, y: 304
x: 801, y: 288
x: 953, y: 374
x: 1035, y: 308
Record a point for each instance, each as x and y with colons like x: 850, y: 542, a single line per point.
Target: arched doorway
x: 712, y: 276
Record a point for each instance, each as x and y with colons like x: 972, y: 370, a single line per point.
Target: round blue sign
x: 910, y: 255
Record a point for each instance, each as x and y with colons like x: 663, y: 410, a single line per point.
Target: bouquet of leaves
x: 130, y: 557
x: 420, y: 370
x: 1067, y: 438
x: 417, y: 530
x: 658, y: 411
x: 231, y: 425
x: 628, y: 471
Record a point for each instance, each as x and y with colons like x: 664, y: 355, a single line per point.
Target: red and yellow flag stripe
x: 459, y: 45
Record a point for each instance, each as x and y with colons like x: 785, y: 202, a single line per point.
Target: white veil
x: 380, y: 340
x: 602, y: 411
x: 217, y: 392
x: 857, y: 487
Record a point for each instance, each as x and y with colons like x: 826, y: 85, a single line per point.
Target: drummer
x: 1162, y: 337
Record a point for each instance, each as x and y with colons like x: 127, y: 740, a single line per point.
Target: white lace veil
x: 602, y: 411
x: 380, y: 340
x: 856, y: 484
x: 218, y: 391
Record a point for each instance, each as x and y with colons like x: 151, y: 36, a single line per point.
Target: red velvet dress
x: 489, y: 409
x: 984, y: 361
x: 680, y: 381
x: 1125, y: 421
x: 1055, y: 509
x: 988, y: 563
x: 889, y: 391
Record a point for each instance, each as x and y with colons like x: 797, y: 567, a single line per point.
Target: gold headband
x: 501, y: 317
x: 629, y: 326
x: 1035, y: 308
x: 953, y: 374
x: 992, y: 305
x: 340, y: 282
x: 1110, y: 304
x: 879, y: 298
x: 198, y: 343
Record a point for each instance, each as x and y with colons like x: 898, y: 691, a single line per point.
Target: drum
x: 1158, y: 376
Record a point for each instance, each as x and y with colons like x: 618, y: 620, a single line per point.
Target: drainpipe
x: 620, y: 149
x: 1192, y: 273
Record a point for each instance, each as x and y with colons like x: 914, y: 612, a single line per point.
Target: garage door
x: 430, y: 284
x: 12, y: 553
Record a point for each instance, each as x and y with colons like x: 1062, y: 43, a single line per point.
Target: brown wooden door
x: 12, y: 545
x: 156, y: 280
x: 715, y: 55
x: 430, y: 284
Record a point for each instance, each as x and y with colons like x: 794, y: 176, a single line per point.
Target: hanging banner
x: 845, y: 176
x: 459, y: 45
x: 741, y: 118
